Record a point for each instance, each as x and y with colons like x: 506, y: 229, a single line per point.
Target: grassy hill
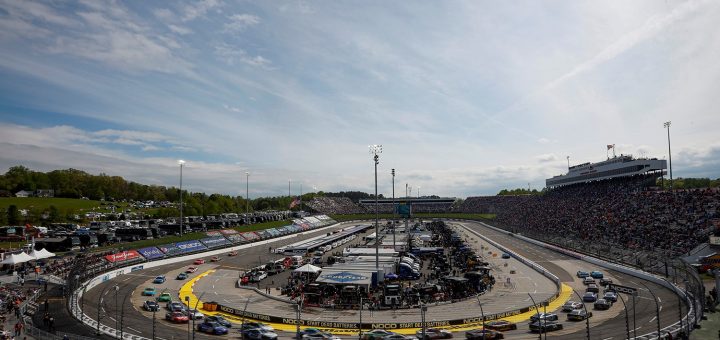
x: 45, y: 203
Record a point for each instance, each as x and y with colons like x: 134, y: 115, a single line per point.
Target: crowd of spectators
x: 335, y: 205
x: 617, y: 216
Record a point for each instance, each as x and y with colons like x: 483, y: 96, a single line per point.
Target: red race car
x: 176, y: 317
x: 199, y: 261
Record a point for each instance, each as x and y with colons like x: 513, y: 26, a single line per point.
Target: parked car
x: 501, y: 325
x: 578, y: 315
x: 164, y: 297
x: 602, y: 304
x: 544, y: 317
x: 181, y: 276
x: 375, y: 334
x: 596, y: 274
x: 434, y: 333
x: 212, y: 328
x: 159, y: 279
x: 545, y: 326
x: 199, y: 262
x: 483, y: 334
x: 151, y: 306
x: 590, y: 297
x: 148, y: 292
x: 219, y: 319
x: 176, y: 317
x: 571, y: 306
x: 582, y: 274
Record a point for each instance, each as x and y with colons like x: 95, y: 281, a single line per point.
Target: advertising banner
x: 170, y: 249
x: 250, y: 236
x: 190, y: 246
x: 213, y: 233
x: 236, y: 238
x: 214, y: 242
x: 125, y: 255
x: 151, y: 253
x: 229, y: 231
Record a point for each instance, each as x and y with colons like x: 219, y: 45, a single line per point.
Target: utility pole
x: 667, y: 125
x: 394, y: 208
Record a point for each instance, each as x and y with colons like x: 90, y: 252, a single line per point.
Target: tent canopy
x: 41, y: 254
x: 308, y: 268
x: 16, y: 258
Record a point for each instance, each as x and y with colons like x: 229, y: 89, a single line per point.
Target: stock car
x: 164, y: 297
x: 544, y: 326
x: 159, y: 279
x: 590, y: 297
x: 376, y: 334
x: 260, y: 325
x: 176, y: 317
x: 194, y: 314
x: 571, y: 306
x: 505, y: 256
x: 181, y: 276
x: 582, y: 274
x: 149, y: 292
x: 314, y: 333
x: 199, y: 262
x: 579, y: 315
x: 544, y: 317
x: 212, y: 328
x: 483, y: 334
x: 605, y: 281
x: 215, y: 259
x: 434, y: 333
x: 610, y: 296
x: 219, y: 319
x: 602, y: 304
x: 396, y: 336
x: 233, y: 253
x: 258, y: 334
x: 151, y: 306
x: 596, y: 274
x: 501, y: 325
x: 191, y: 270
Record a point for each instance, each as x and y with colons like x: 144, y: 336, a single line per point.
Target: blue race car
x: 159, y: 279
x: 596, y: 274
x: 211, y: 327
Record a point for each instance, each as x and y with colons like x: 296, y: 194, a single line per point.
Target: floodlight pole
x: 537, y: 312
x: 657, y: 308
x: 667, y: 126
x: 247, y: 192
x: 587, y: 317
x: 193, y: 313
x: 627, y: 319
x: 393, y: 193
x: 181, y: 162
x: 375, y: 150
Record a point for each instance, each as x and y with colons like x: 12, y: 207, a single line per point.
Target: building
x: 23, y: 193
x: 622, y: 166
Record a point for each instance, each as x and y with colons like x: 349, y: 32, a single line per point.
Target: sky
x: 466, y: 97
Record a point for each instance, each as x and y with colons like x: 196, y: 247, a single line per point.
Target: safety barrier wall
x: 674, y: 328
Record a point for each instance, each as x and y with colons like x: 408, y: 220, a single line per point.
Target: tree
x: 54, y: 214
x: 13, y: 215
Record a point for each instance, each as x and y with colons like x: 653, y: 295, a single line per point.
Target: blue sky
x: 467, y: 98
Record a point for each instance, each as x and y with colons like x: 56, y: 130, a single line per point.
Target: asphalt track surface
x: 138, y: 322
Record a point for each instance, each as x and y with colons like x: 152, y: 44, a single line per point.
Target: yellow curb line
x: 187, y: 290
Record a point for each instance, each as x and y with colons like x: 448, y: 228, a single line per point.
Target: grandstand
x: 615, y: 167
x: 335, y: 205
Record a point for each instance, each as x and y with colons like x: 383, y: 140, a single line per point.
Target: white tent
x: 308, y: 268
x: 16, y: 258
x: 41, y: 254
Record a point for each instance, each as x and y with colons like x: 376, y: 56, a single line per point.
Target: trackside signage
x: 217, y: 241
x: 123, y: 256
x: 151, y: 253
x: 344, y: 277
x: 189, y: 246
x: 170, y: 249
x: 623, y: 289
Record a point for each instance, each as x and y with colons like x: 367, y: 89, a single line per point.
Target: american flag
x: 295, y: 202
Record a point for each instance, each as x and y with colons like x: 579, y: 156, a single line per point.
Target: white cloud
x: 199, y: 9
x: 179, y: 29
x: 545, y: 158
x: 239, y: 22
x: 230, y: 55
x: 231, y: 108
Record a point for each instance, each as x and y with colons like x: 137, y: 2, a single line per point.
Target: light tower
x: 181, y: 162
x: 667, y: 126
x: 375, y: 150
